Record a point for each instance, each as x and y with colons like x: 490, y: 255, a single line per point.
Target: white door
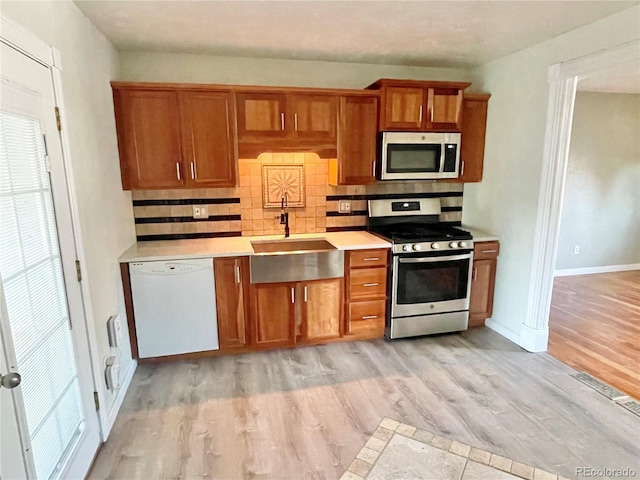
x: 42, y: 327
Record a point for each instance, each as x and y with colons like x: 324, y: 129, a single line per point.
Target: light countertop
x: 237, y: 246
x: 480, y: 235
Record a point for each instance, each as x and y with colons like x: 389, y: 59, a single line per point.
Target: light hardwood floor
x: 594, y: 326
x: 306, y: 412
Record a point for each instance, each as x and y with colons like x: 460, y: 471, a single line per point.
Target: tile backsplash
x: 168, y: 214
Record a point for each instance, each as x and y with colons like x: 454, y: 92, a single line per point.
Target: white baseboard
x: 502, y: 330
x: 533, y: 339
x: 589, y: 270
x: 117, y: 403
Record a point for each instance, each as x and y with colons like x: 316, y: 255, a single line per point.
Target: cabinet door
x: 273, y: 314
x: 148, y: 139
x: 357, y: 136
x: 474, y: 127
x: 208, y: 139
x: 482, y: 286
x: 261, y: 115
x: 444, y: 109
x: 314, y: 116
x: 231, y: 276
x: 403, y: 108
x: 322, y: 310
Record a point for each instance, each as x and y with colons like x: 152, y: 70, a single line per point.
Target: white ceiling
x: 433, y: 33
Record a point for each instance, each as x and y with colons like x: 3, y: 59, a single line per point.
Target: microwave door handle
x: 466, y: 256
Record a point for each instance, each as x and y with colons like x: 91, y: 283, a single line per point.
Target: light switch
x: 344, y: 206
x: 200, y: 211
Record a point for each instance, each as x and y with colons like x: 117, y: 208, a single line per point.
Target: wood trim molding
x: 563, y: 79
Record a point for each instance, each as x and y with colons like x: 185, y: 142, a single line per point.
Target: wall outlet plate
x: 114, y: 329
x: 200, y: 211
x: 112, y: 373
x: 344, y: 206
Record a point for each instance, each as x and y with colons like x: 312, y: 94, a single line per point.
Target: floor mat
x: 400, y: 451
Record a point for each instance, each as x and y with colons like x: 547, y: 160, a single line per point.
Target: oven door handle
x: 466, y: 256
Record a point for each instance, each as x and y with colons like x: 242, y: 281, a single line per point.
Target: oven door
x: 424, y: 285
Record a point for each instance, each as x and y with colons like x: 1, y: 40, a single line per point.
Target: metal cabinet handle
x: 293, y: 295
x: 462, y: 170
x: 282, y: 121
x: 193, y: 171
x: 295, y: 122
x: 489, y: 251
x: 238, y: 274
x: 373, y: 169
x: 431, y: 114
x: 370, y: 284
x: 420, y: 119
x: 178, y: 171
x: 371, y: 259
x: 369, y: 317
x: 305, y: 294
x: 475, y: 273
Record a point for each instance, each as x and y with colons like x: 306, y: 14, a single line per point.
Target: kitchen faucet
x: 284, y: 214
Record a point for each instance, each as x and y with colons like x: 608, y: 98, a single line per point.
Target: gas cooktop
x: 411, y: 232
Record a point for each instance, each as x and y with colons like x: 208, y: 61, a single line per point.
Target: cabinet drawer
x: 368, y: 282
x: 368, y: 310
x: 486, y: 250
x: 368, y: 258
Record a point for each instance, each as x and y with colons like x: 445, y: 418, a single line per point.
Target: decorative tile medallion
x: 281, y: 180
x: 398, y: 450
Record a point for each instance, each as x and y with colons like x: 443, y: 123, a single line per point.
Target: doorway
x: 50, y: 427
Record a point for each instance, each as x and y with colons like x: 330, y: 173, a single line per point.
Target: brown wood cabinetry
x: 474, y: 127
x: 321, y: 310
x: 357, y: 141
x: 272, y: 314
x: 483, y: 278
x: 231, y: 277
x: 366, y: 293
x: 174, y: 138
x: 287, y: 121
x: 410, y: 105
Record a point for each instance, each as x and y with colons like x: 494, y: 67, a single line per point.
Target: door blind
x: 31, y: 271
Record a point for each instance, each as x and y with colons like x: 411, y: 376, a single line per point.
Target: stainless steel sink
x: 294, y: 260
x: 292, y: 245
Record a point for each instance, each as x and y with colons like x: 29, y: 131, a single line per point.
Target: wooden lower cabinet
x: 321, y: 312
x: 272, y: 314
x: 483, y: 279
x: 231, y: 277
x: 366, y: 302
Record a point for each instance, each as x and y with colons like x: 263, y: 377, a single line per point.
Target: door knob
x: 10, y: 380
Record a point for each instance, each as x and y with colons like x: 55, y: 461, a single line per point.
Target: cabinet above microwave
x: 417, y: 106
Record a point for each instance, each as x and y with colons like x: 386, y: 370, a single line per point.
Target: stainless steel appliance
x: 419, y: 155
x: 430, y: 275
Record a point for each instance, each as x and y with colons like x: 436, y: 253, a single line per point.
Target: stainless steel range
x: 430, y: 277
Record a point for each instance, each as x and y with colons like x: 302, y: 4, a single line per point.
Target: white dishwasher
x: 174, y: 304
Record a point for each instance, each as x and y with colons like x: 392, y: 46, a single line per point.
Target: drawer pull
x: 489, y: 251
x: 371, y: 259
x: 178, y: 171
x: 293, y: 295
x: 370, y: 284
x: 369, y: 317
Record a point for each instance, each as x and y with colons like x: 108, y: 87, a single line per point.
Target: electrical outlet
x: 114, y: 328
x: 112, y: 373
x: 200, y: 211
x: 576, y: 250
x: 344, y: 206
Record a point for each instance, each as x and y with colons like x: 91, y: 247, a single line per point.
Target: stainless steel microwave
x: 419, y: 156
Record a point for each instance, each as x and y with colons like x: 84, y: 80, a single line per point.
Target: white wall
x: 506, y: 201
x: 189, y: 68
x: 89, y: 62
x: 601, y: 206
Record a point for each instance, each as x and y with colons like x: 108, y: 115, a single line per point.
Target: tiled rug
x: 400, y: 451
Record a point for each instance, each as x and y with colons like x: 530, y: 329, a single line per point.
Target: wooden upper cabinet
x: 314, y: 116
x: 261, y: 115
x: 404, y: 108
x: 357, y: 140
x: 411, y: 105
x: 148, y: 125
x: 208, y: 139
x: 474, y: 127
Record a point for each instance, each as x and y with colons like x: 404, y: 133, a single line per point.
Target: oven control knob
x: 435, y: 245
x: 406, y: 248
x: 417, y: 247
x: 462, y: 244
x: 453, y: 244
